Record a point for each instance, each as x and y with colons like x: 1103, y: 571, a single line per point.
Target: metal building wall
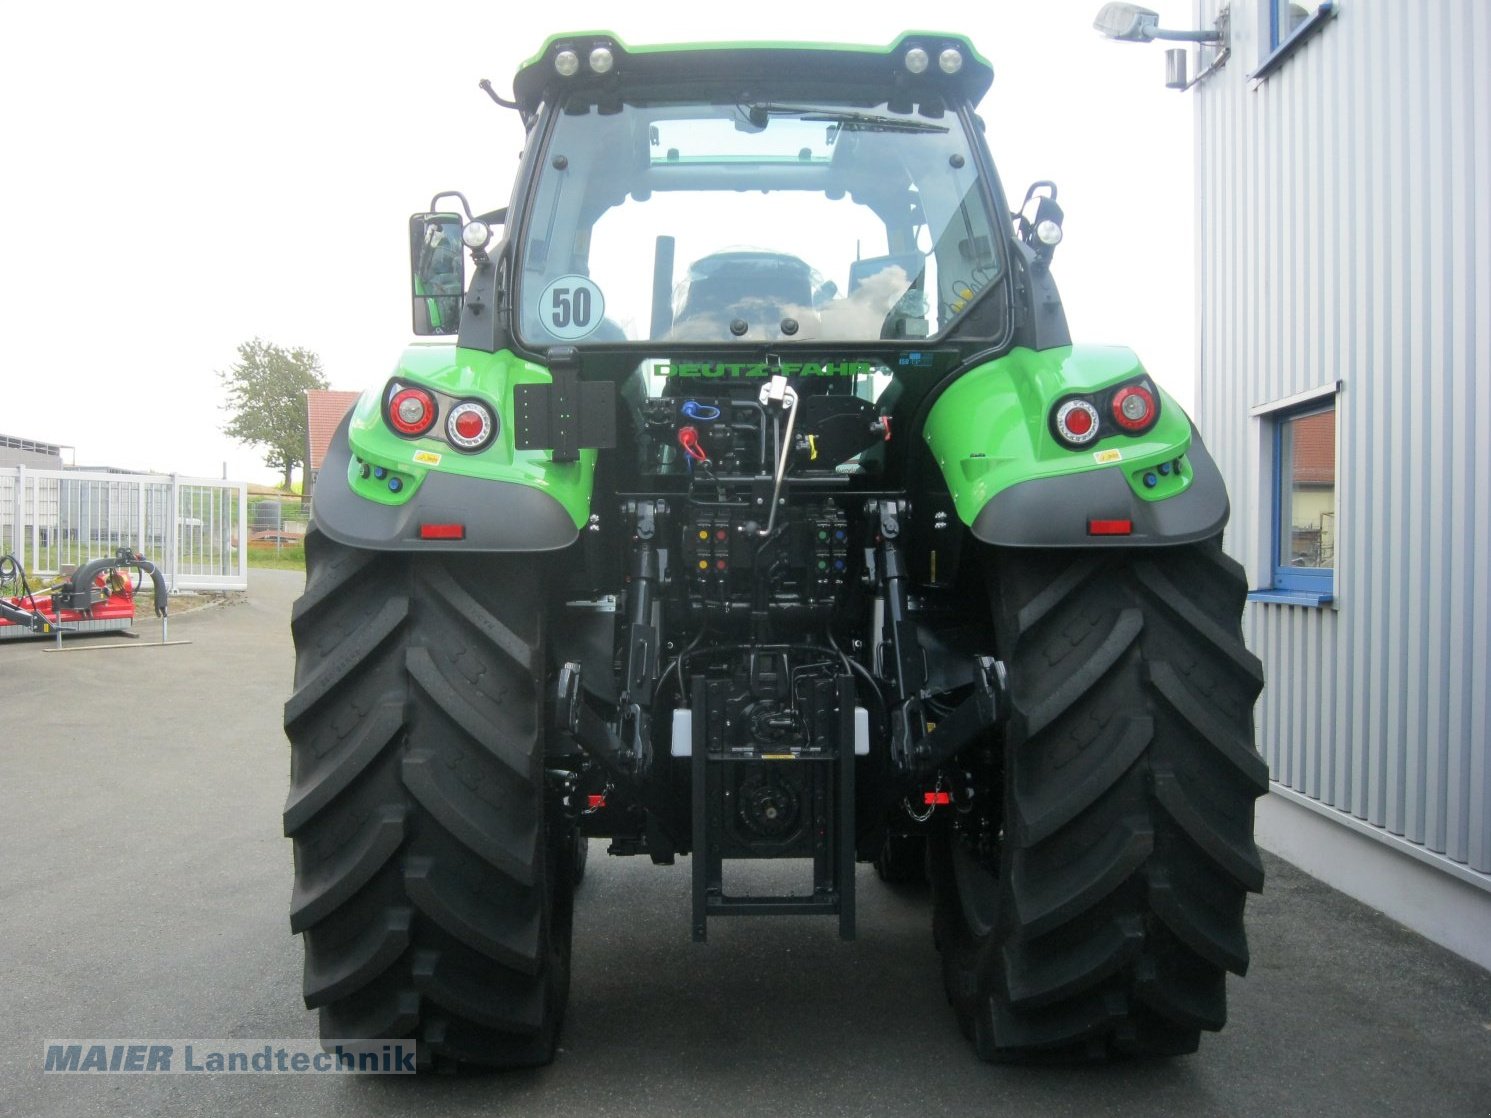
x: 1344, y: 234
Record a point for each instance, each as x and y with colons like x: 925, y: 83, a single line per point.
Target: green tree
x: 266, y: 390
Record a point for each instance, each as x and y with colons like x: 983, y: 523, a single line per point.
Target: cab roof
x: 634, y: 69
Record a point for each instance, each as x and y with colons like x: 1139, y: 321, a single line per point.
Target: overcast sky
x: 183, y: 177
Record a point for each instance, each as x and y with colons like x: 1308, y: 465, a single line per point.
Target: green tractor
x: 748, y: 499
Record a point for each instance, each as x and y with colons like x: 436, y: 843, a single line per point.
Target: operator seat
x: 759, y: 287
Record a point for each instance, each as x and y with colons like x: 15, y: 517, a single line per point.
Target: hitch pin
x: 777, y: 390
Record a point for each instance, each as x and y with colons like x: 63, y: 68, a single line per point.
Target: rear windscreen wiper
x: 854, y: 122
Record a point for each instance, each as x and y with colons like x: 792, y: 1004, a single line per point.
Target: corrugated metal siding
x: 1344, y: 233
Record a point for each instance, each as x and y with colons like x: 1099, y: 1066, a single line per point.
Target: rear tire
x: 581, y: 855
x: 433, y: 871
x: 1099, y: 907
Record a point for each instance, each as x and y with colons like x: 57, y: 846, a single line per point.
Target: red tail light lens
x: 1077, y: 422
x: 411, y: 412
x: 470, y: 425
x: 1133, y: 407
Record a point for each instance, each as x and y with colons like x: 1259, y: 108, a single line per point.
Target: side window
x: 1304, y: 500
x: 1285, y: 27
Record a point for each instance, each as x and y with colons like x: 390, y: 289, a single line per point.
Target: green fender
x: 1013, y: 484
x: 376, y: 488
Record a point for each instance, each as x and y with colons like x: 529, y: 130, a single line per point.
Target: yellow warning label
x: 1103, y: 457
x: 427, y: 458
x: 778, y: 757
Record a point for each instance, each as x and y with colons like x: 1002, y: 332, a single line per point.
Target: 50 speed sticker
x: 571, y: 307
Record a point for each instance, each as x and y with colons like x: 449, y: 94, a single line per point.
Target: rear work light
x: 411, y: 412
x: 470, y: 425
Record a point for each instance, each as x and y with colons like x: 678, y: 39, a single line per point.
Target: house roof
x: 324, y: 408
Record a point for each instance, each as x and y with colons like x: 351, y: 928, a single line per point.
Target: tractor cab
x: 713, y: 213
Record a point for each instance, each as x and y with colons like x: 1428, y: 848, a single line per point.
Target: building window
x: 1287, y: 24
x: 1285, y: 19
x: 1304, y: 504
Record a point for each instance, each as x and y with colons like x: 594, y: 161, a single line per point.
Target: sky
x: 184, y: 177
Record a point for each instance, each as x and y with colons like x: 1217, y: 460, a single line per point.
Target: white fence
x: 194, y: 529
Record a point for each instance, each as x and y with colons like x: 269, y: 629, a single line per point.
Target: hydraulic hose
x: 75, y: 591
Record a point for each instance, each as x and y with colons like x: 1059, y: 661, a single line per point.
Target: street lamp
x: 1129, y: 23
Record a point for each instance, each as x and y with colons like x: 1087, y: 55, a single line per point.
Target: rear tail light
x: 1077, y: 422
x: 1129, y: 409
x: 1110, y: 527
x: 1133, y: 407
x: 411, y: 412
x: 470, y: 425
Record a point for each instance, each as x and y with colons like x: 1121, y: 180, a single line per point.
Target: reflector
x: 1077, y: 422
x: 469, y: 426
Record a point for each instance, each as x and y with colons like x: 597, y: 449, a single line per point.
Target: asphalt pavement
x: 144, y: 892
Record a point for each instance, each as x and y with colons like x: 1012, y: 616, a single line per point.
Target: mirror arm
x: 465, y: 206
x: 486, y: 87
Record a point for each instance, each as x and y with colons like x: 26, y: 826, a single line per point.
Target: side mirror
x: 438, y: 272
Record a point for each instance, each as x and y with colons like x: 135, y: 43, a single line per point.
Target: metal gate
x: 194, y: 529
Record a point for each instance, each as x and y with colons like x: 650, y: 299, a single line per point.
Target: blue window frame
x: 1304, y: 501
x: 1289, y: 24
x: 1285, y: 18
